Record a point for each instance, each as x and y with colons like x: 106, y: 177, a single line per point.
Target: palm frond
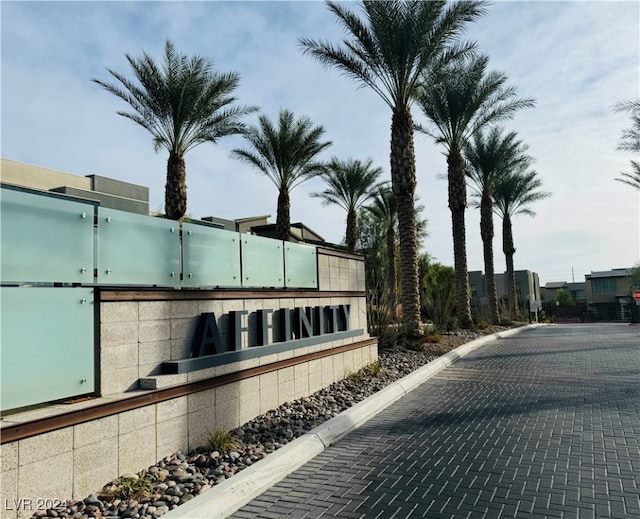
x: 350, y: 183
x: 514, y: 192
x: 462, y: 98
x: 286, y: 153
x: 630, y: 140
x: 631, y: 179
x: 181, y: 101
x: 391, y: 45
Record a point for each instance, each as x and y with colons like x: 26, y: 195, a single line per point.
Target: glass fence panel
x: 300, y: 265
x: 262, y: 262
x: 47, y: 344
x: 45, y: 239
x: 135, y: 249
x: 211, y: 257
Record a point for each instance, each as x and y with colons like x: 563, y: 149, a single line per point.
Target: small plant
x: 480, y: 324
x: 372, y: 370
x: 433, y: 338
x: 221, y: 441
x: 131, y: 488
x: 375, y: 369
x: 356, y: 377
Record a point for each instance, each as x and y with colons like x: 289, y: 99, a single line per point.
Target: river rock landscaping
x: 180, y: 477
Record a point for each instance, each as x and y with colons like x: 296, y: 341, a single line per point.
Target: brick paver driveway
x: 542, y: 424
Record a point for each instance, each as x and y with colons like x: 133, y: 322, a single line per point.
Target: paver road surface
x: 542, y: 424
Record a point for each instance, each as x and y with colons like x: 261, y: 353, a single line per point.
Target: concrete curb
x: 231, y: 495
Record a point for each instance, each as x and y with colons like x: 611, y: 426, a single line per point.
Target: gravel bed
x: 180, y: 477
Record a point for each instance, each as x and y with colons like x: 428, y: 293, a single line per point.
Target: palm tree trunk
x: 393, y: 276
x: 509, y: 250
x: 352, y: 230
x: 403, y: 181
x: 486, y: 231
x: 283, y: 219
x: 175, y: 191
x: 458, y: 204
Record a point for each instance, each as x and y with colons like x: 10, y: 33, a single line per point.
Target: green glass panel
x: 211, y: 257
x: 47, y: 344
x: 301, y: 266
x: 136, y: 249
x: 262, y: 262
x: 45, y: 239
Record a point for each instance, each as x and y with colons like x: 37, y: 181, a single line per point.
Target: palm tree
x: 287, y: 155
x: 388, y: 50
x: 462, y: 98
x: 385, y: 209
x: 350, y: 184
x: 631, y: 141
x: 512, y: 194
x: 182, y: 102
x: 489, y: 158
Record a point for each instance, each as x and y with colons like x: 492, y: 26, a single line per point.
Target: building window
x: 577, y: 294
x: 604, y: 286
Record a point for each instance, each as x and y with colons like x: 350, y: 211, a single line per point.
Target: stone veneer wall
x: 135, y: 337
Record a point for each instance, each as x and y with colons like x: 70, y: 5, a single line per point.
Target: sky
x: 577, y: 59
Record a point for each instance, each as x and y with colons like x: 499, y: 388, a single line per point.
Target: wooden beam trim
x: 110, y: 295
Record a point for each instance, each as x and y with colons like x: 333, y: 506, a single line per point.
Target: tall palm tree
x: 489, y: 158
x: 388, y: 50
x: 350, y: 184
x: 385, y: 209
x: 182, y: 102
x: 460, y: 100
x: 631, y: 141
x: 287, y: 154
x: 512, y: 195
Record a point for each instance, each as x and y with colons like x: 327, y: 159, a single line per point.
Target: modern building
x: 111, y: 193
x: 527, y: 289
x: 549, y: 295
x: 608, y: 293
x: 604, y: 295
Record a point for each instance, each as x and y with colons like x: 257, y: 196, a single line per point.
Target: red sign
x: 636, y: 295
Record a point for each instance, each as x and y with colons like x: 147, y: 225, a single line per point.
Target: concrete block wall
x: 340, y: 272
x: 137, y: 336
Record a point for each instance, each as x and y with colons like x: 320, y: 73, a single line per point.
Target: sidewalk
x: 228, y: 497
